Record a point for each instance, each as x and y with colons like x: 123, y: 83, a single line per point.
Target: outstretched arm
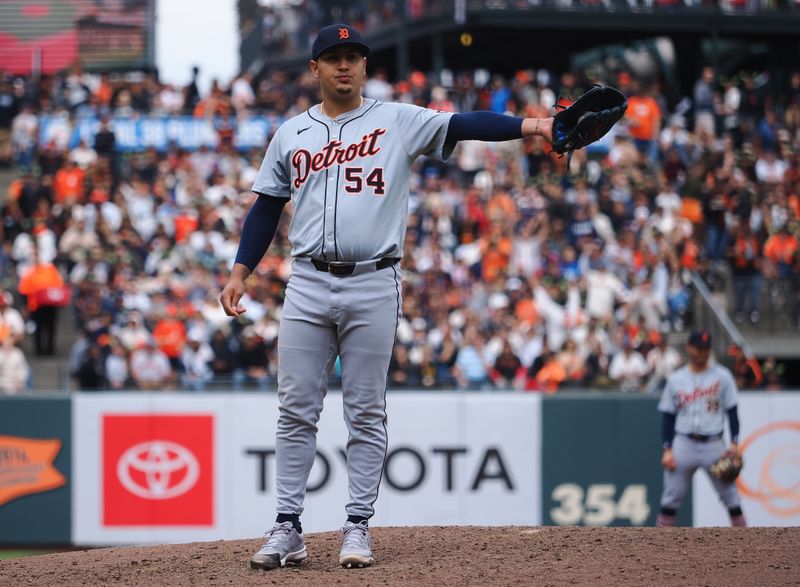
x: 490, y: 126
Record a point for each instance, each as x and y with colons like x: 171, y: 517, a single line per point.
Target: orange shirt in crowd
x: 170, y: 336
x: 781, y: 247
x: 794, y: 201
x: 184, y: 226
x: 68, y: 183
x: 496, y: 258
x: 645, y: 116
x: 104, y: 93
x: 692, y: 210
x: 36, y: 279
x: 689, y: 256
x: 212, y: 106
x: 15, y: 189
x: 526, y: 311
x: 501, y: 205
x: 551, y: 375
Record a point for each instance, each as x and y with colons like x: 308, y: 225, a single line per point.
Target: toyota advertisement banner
x: 769, y: 484
x: 155, y: 468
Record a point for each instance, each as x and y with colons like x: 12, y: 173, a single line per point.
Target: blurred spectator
x: 603, y: 290
x: 662, y: 360
x: 445, y: 359
x: 91, y: 373
x: 470, y: 367
x: 402, y: 372
x: 12, y: 324
x: 704, y: 112
x: 133, y: 334
x: 192, y: 93
x: 83, y: 155
x: 252, y: 361
x: 773, y: 374
x: 628, y: 368
x: 547, y: 371
x: 746, y: 370
x: 14, y: 370
x: 746, y: 271
x: 644, y: 121
x: 377, y: 87
x: 573, y: 363
x: 150, y: 368
x: 242, y: 94
x: 169, y: 334
x: 37, y: 284
x: 24, y: 129
x: 506, y: 367
x: 196, y: 358
x: 224, y: 362
x: 780, y: 249
x: 597, y: 363
x: 116, y: 367
x: 9, y: 107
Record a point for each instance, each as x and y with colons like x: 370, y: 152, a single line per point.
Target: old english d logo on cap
x: 334, y: 35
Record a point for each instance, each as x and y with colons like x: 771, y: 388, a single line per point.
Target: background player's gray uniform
x: 348, y: 181
x: 700, y: 402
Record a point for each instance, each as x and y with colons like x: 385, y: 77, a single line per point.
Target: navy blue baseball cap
x: 700, y: 339
x: 335, y: 35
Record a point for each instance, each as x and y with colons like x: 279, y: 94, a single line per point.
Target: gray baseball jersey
x: 348, y: 177
x: 699, y: 400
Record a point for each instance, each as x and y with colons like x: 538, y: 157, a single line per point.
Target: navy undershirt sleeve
x: 259, y: 229
x: 483, y: 126
x: 667, y: 429
x: 733, y: 422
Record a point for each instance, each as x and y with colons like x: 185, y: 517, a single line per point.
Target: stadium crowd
x: 517, y: 273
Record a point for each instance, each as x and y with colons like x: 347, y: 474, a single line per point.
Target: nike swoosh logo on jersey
x: 303, y: 129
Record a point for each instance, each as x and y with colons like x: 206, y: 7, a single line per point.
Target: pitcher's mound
x: 450, y: 556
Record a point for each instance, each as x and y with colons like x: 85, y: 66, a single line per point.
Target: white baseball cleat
x: 356, y: 546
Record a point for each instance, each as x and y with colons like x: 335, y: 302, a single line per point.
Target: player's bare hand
x: 668, y: 460
x: 231, y: 295
x: 734, y: 449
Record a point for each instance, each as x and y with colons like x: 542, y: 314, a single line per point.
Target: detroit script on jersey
x: 331, y: 154
x: 710, y: 393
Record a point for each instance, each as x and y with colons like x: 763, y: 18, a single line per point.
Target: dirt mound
x: 450, y: 556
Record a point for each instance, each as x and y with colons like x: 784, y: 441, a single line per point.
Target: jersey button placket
x: 329, y: 211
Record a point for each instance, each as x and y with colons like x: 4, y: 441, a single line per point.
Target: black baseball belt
x: 343, y: 268
x: 703, y: 437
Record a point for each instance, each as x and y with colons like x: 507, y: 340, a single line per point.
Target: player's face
x: 341, y: 71
x: 698, y: 357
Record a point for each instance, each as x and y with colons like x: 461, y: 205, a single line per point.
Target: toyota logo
x: 158, y: 469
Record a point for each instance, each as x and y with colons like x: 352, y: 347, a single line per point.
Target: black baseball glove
x: 587, y: 119
x: 727, y: 467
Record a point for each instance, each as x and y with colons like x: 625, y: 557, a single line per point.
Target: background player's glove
x: 587, y: 119
x: 727, y: 467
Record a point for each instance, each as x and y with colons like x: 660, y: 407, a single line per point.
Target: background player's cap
x: 335, y: 35
x: 700, y: 339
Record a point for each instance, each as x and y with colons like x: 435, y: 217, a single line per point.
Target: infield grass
x: 6, y: 554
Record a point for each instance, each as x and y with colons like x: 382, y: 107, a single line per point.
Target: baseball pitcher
x: 345, y: 165
x: 694, y: 404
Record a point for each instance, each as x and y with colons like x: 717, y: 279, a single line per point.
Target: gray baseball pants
x: 354, y: 317
x: 689, y: 456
